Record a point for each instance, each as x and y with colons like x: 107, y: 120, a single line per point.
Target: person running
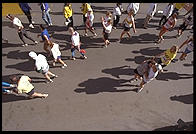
x: 150, y: 13
x: 134, y: 6
x: 107, y: 30
x: 42, y: 66
x: 21, y: 31
x: 167, y: 56
x: 45, y: 13
x: 166, y: 14
x: 7, y: 87
x: 168, y: 26
x: 128, y: 23
x: 152, y: 73
x: 24, y: 86
x: 89, y: 23
x: 68, y: 13
x: 56, y: 54
x: 45, y: 38
x: 184, y: 25
x: 116, y: 15
x: 189, y: 48
x: 85, y: 7
x: 142, y: 70
x: 75, y: 38
x: 26, y: 9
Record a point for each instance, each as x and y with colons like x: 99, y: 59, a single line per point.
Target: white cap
x: 32, y: 54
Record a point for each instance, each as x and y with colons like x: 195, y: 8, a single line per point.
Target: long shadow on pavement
x: 103, y: 84
x: 117, y: 71
x: 26, y: 66
x: 186, y: 99
x: 137, y: 59
x: 12, y: 97
x: 173, y: 76
x: 149, y: 51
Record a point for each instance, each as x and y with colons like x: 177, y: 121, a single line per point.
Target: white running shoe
x: 139, y: 90
x: 24, y: 45
x: 31, y: 26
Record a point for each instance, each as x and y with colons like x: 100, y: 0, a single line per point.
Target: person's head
x: 109, y: 21
x: 9, y: 17
x: 68, y: 4
x: 71, y: 30
x: 174, y: 49
x: 89, y: 10
x: 33, y: 55
x: 14, y: 78
x: 108, y: 14
x: 42, y: 27
x: 151, y: 63
x: 118, y: 4
x: 131, y: 12
x: 174, y: 15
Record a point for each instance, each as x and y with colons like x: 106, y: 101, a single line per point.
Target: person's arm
x: 184, y: 43
x: 28, y: 6
x: 133, y: 23
x: 44, y: 8
x: 46, y: 38
x: 30, y: 80
x: 173, y: 24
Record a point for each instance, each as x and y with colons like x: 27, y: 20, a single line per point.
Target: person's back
x: 41, y: 62
x: 142, y: 68
x: 24, y: 86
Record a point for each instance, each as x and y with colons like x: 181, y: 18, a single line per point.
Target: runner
x: 189, y: 48
x: 150, y: 13
x: 142, y: 70
x: 21, y: 31
x: 188, y: 21
x: 89, y: 23
x: 75, y: 38
x: 68, y: 13
x: 167, y: 57
x: 57, y: 54
x: 85, y: 7
x: 45, y: 13
x: 26, y: 9
x: 45, y: 39
x: 42, y: 66
x: 168, y: 26
x: 128, y: 23
x: 166, y: 14
x: 116, y: 15
x: 24, y: 86
x: 107, y: 30
x: 152, y: 73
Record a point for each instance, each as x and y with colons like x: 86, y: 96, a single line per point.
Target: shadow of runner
x: 26, y: 66
x: 117, y: 71
x: 12, y: 97
x: 103, y: 84
x: 173, y: 76
x: 187, y: 99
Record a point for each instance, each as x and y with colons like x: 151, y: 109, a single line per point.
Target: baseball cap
x: 32, y: 54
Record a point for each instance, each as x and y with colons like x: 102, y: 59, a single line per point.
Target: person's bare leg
x: 62, y: 62
x: 40, y: 95
x: 129, y: 34
x: 47, y: 77
x: 122, y: 34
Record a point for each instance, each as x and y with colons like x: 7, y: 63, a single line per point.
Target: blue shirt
x: 45, y: 32
x: 24, y: 6
x: 44, y: 6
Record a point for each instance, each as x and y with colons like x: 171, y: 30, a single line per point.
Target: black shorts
x: 106, y: 35
x: 183, y: 27
x: 135, y: 71
x: 126, y: 28
x: 31, y: 92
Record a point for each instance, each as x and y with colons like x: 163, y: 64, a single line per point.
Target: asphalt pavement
x: 95, y: 93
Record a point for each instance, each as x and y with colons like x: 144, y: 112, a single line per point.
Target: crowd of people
x: 145, y: 72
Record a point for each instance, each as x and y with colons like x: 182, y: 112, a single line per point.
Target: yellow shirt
x: 179, y: 5
x: 24, y: 86
x: 85, y: 8
x: 68, y: 11
x: 168, y: 57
